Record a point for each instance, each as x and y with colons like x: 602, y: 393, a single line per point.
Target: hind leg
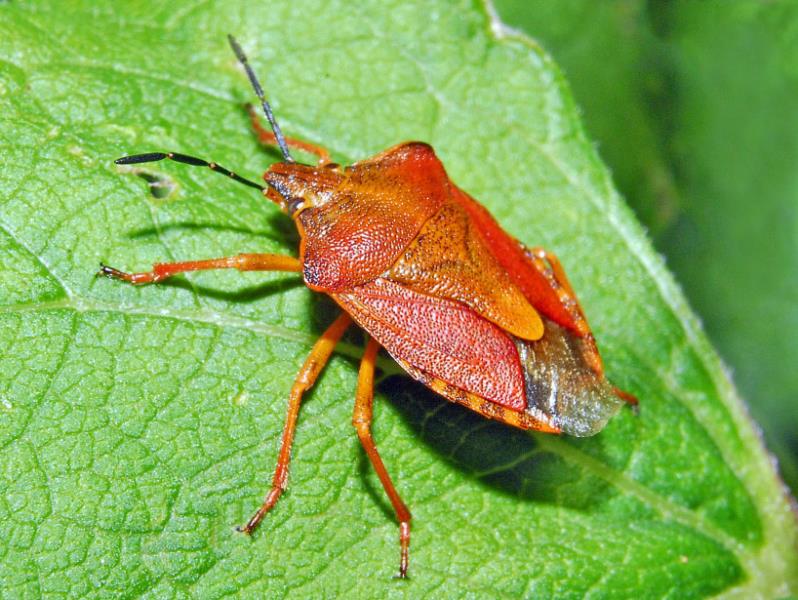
x: 361, y: 419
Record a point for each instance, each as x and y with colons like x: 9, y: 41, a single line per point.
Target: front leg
x: 242, y: 262
x: 268, y: 138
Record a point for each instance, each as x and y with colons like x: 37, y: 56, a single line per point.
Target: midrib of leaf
x: 199, y: 316
x: 771, y: 503
x: 663, y: 506
x: 4, y: 227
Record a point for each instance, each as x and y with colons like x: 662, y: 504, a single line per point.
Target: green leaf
x: 617, y: 67
x: 140, y: 425
x: 692, y: 107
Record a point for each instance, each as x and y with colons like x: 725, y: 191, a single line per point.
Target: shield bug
x: 428, y: 273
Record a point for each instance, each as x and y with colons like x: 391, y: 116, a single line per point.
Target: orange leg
x: 314, y: 364
x: 541, y: 256
x: 361, y: 419
x: 267, y: 137
x: 556, y: 267
x: 242, y: 262
x: 549, y: 266
x: 630, y: 399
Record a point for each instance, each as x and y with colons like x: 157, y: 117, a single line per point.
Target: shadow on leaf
x: 498, y: 456
x: 243, y: 296
x: 152, y: 232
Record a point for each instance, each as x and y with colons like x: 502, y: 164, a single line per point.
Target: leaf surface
x: 138, y: 426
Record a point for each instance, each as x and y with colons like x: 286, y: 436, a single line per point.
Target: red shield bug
x: 428, y: 273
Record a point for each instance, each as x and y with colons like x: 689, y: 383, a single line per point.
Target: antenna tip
x: 236, y: 48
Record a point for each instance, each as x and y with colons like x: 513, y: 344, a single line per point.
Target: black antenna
x: 188, y: 160
x: 259, y: 93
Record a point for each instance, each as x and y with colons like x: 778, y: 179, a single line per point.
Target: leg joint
x: 363, y: 427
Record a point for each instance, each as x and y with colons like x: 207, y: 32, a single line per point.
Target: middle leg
x: 314, y: 363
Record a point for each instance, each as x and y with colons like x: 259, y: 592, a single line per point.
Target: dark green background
x: 694, y: 106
